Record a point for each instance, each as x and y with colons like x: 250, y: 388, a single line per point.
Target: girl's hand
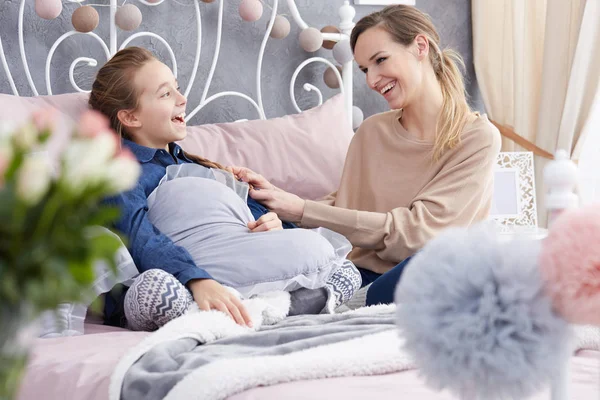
x: 211, y: 295
x: 268, y: 222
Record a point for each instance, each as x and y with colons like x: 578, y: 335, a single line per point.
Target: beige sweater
x: 393, y: 197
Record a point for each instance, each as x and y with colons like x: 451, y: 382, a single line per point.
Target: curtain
x: 538, y: 65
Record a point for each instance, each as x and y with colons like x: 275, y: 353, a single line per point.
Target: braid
x: 203, y: 161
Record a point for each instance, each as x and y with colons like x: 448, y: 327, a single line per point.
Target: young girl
x: 424, y: 166
x: 168, y: 243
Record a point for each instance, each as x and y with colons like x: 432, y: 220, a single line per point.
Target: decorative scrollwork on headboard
x: 346, y: 13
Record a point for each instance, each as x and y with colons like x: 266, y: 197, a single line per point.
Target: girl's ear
x: 129, y: 119
x: 422, y: 46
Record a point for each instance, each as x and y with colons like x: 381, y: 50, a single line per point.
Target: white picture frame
x: 514, y: 201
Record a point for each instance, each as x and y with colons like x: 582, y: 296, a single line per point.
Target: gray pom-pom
x: 474, y: 316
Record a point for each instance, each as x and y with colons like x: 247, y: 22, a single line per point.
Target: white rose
x: 33, y: 179
x: 7, y: 130
x: 122, y: 174
x: 85, y: 161
x: 26, y: 137
x: 105, y: 146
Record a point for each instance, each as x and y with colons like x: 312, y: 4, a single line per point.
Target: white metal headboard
x: 346, y: 15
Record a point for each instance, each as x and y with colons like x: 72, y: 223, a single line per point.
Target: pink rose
x: 124, y: 152
x: 92, y: 123
x: 45, y: 119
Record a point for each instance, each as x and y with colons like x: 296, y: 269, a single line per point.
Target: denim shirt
x: 149, y: 247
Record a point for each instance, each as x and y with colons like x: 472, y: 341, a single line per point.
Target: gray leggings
x: 157, y: 297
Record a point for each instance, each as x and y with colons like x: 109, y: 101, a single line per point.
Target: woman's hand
x: 268, y: 222
x: 211, y: 295
x: 287, y: 206
x: 247, y: 175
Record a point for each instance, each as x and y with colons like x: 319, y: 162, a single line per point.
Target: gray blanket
x: 157, y: 372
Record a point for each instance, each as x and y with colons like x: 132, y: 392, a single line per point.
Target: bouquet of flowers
x: 50, y: 211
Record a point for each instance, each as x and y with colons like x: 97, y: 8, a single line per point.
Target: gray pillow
x: 209, y: 216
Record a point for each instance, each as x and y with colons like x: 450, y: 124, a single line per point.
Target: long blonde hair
x: 404, y: 23
x: 113, y: 91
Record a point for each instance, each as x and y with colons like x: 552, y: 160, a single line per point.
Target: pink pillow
x: 70, y: 106
x: 301, y: 153
x: 18, y: 109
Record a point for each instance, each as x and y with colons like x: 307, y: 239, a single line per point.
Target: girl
x: 423, y: 166
x: 141, y: 98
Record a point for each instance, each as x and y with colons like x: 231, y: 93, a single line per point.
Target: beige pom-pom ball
x: 330, y: 78
x: 311, y: 39
x: 85, y: 19
x: 251, y: 10
x: 281, y: 27
x: 328, y: 44
x: 128, y: 17
x: 48, y: 9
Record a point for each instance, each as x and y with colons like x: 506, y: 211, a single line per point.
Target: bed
x: 83, y: 366
x: 80, y: 368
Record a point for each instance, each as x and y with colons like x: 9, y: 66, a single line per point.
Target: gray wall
x: 175, y: 21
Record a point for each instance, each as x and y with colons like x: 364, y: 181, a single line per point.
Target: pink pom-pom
x: 128, y: 17
x: 251, y: 10
x: 48, y: 9
x: 570, y: 265
x: 311, y: 39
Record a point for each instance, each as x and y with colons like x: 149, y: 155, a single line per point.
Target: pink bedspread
x: 80, y: 368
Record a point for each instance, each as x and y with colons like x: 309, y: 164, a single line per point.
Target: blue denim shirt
x: 149, y: 247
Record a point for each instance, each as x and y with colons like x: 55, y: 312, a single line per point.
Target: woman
x: 168, y: 237
x: 410, y: 172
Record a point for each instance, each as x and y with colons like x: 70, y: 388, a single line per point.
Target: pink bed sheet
x: 77, y: 367
x: 408, y: 385
x: 80, y: 368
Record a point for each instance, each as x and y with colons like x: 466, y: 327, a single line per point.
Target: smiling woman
x: 441, y: 153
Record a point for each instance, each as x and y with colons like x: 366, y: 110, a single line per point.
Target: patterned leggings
x: 157, y: 297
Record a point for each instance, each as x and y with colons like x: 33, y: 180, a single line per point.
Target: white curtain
x: 508, y: 61
x: 589, y: 160
x: 550, y: 74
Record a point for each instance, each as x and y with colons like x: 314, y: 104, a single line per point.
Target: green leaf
x: 82, y: 272
x: 44, y: 135
x: 104, y: 216
x: 10, y: 291
x: 14, y: 165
